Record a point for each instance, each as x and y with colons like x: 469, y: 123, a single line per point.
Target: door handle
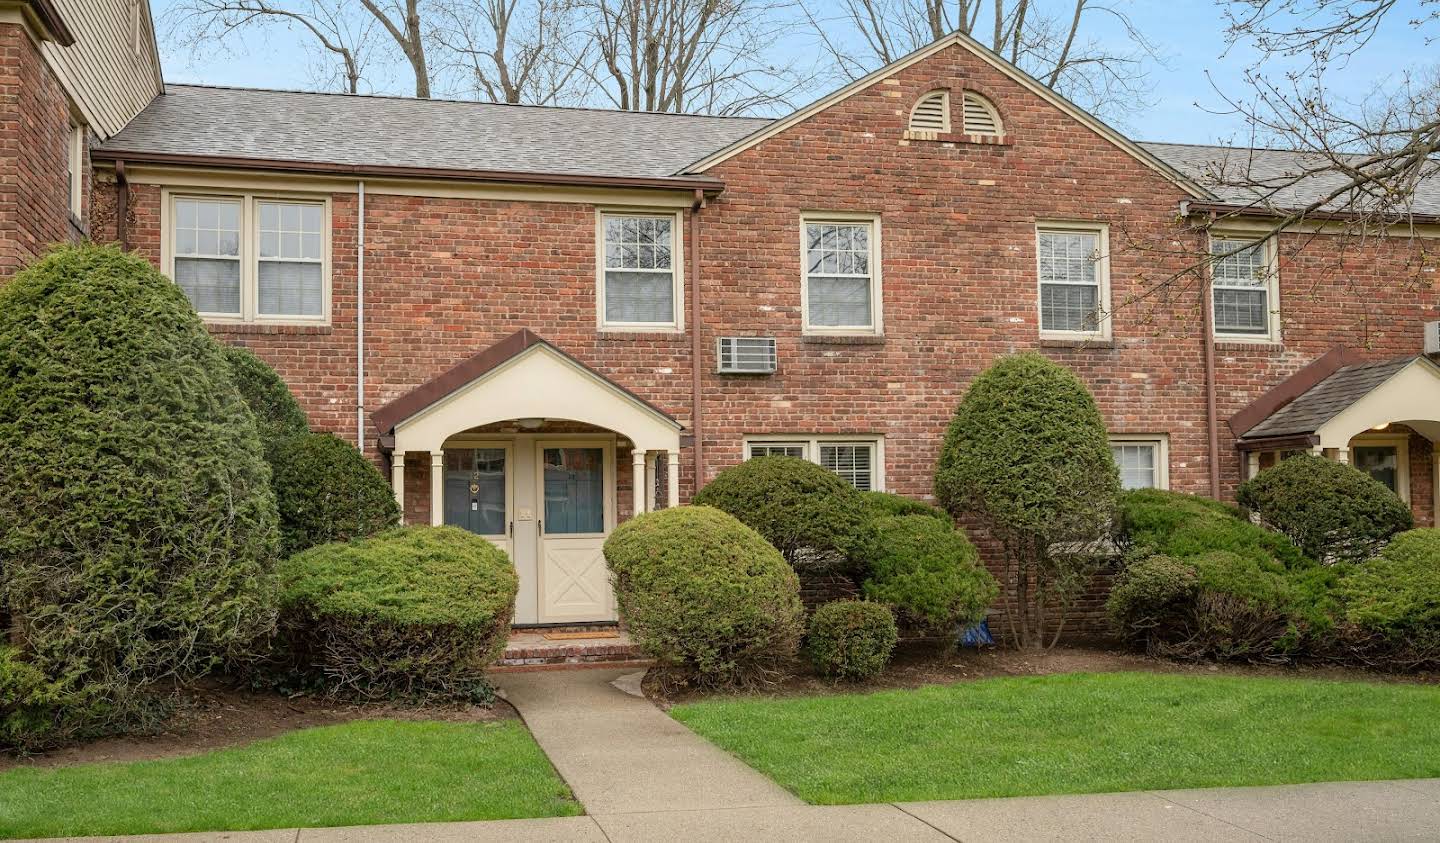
x: 540, y: 526
x: 510, y: 529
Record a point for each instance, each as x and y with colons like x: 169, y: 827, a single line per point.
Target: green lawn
x: 1078, y: 733
x: 373, y: 771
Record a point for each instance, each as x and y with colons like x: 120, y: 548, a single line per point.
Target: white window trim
x: 1401, y: 444
x: 677, y: 266
x: 1272, y: 290
x: 1102, y: 276
x: 877, y: 298
x: 250, y: 252
x: 1161, y: 441
x: 75, y: 151
x: 812, y: 442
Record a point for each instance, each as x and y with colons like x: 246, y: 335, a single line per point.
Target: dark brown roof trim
x: 1231, y: 209
x: 449, y: 381
x: 51, y: 20
x: 1295, y: 442
x: 1293, y: 387
x: 389, y: 171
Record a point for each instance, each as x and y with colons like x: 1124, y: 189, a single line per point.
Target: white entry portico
x: 549, y: 499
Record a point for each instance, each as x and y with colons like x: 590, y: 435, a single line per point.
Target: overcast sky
x: 1187, y: 84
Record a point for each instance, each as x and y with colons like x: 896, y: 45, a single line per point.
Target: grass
x: 1078, y: 733
x: 372, y: 771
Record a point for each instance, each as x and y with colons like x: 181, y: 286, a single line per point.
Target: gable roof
x: 1272, y: 172
x: 958, y: 39
x: 1309, y: 411
x: 398, y: 132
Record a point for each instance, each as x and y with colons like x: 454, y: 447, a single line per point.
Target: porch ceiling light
x: 1381, y: 426
x: 531, y: 423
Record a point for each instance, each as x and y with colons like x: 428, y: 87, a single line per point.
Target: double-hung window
x: 639, y: 273
x: 1243, y: 289
x: 859, y: 460
x: 1073, y: 267
x: 1143, y: 460
x: 251, y: 258
x: 840, y: 279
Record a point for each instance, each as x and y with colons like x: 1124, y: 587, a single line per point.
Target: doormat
x: 577, y: 636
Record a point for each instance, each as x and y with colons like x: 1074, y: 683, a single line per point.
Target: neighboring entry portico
x: 521, y: 441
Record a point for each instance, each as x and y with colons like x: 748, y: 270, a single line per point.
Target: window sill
x: 842, y: 339
x: 640, y: 334
x: 267, y: 328
x: 1258, y: 344
x: 1077, y: 342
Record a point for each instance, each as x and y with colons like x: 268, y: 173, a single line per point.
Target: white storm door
x: 479, y: 492
x: 576, y: 512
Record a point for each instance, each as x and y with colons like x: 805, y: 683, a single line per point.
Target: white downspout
x: 360, y: 321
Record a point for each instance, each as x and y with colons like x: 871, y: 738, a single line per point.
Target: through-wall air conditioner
x: 1432, y: 337
x: 745, y: 355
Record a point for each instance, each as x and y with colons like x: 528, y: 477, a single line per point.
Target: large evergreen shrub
x: 414, y: 611
x: 1180, y: 525
x: 1391, y: 604
x: 705, y: 595
x: 851, y: 639
x: 929, y: 571
x: 137, y: 525
x: 278, y: 417
x: 327, y: 491
x: 808, y: 513
x: 1027, y: 454
x: 1331, y: 511
x: 882, y: 504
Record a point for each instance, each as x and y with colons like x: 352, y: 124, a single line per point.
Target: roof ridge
x: 518, y: 105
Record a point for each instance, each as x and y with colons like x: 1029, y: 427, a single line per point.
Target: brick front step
x: 529, y: 649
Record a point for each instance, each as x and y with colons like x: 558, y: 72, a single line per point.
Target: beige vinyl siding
x: 109, y: 79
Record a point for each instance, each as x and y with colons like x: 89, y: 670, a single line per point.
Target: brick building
x: 541, y: 320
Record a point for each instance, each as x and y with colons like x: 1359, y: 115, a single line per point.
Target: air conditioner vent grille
x: 745, y: 355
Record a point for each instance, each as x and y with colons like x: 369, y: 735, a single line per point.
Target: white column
x: 637, y: 479
x: 672, y: 478
x: 1342, y: 455
x: 1317, y: 451
x: 437, y: 488
x: 1253, y: 462
x: 397, y: 480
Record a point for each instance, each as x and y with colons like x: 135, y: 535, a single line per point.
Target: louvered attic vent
x: 980, y: 116
x: 745, y: 355
x: 931, y: 113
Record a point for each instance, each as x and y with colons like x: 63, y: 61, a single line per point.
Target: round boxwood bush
x: 137, y: 524
x: 1176, y: 524
x: 929, y: 571
x: 882, y: 504
x: 851, y: 639
x: 411, y: 612
x: 1331, y: 511
x: 327, y: 491
x: 1418, y: 547
x: 1391, y: 605
x: 278, y: 416
x: 808, y: 513
x: 705, y: 595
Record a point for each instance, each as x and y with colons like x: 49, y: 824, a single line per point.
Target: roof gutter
x: 688, y: 183
x: 1231, y: 209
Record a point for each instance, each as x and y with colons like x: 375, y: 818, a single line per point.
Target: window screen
x: 207, y: 253
x: 1240, y: 286
x: 1069, y: 280
x: 837, y: 275
x: 639, y: 270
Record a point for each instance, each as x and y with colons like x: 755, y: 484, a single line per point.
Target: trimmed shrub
x: 137, y: 525
x: 1417, y: 547
x: 1332, y: 512
x: 928, y: 571
x: 27, y: 714
x: 808, y: 513
x: 851, y: 639
x: 705, y: 596
x: 411, y: 612
x: 883, y: 504
x: 1180, y: 525
x: 278, y: 416
x: 1028, y: 455
x: 1391, y: 605
x: 327, y: 491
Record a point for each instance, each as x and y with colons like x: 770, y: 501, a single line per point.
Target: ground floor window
x: 1143, y: 460
x: 1385, y: 458
x: 858, y: 459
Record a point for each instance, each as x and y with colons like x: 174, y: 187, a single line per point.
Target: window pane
x: 475, y: 490
x: 639, y: 297
x: 574, y: 490
x: 1241, y: 311
x: 837, y: 248
x: 1241, y: 266
x: 1380, y: 462
x: 1068, y: 257
x: 1069, y: 307
x: 1136, y: 461
x: 777, y: 449
x: 212, y: 285
x: 840, y: 302
x: 851, y: 461
x: 291, y: 289
x: 208, y: 227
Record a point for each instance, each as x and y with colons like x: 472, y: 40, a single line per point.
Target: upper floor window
x: 840, y: 283
x: 1143, y: 460
x: 1074, y: 280
x: 859, y: 460
x: 248, y: 258
x: 75, y: 170
x: 639, y: 277
x: 1244, y: 290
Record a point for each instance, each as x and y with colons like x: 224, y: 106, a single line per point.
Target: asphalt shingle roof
x: 439, y: 134
x: 1217, y: 168
x: 1327, y: 399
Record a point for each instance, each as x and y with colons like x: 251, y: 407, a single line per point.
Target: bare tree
x: 1055, y: 42
x: 707, y: 56
x: 401, y: 18
x: 506, y: 51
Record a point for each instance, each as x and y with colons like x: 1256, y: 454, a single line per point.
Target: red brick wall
x: 34, y: 138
